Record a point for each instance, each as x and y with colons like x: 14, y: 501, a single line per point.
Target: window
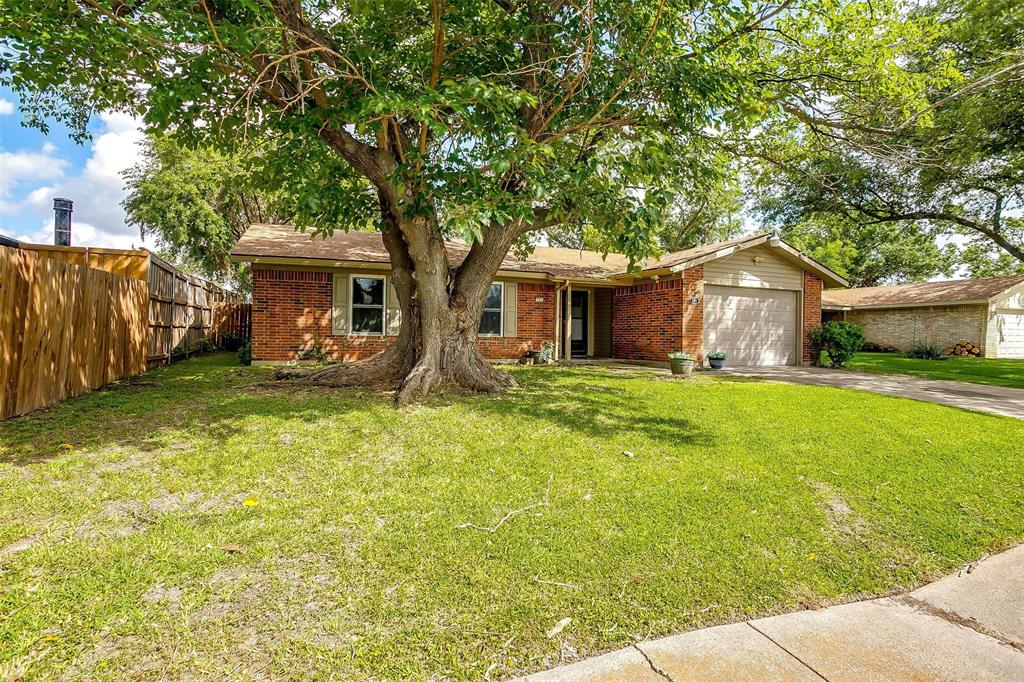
x: 490, y: 321
x: 367, y: 305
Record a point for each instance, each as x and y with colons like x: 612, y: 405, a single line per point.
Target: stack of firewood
x: 965, y: 349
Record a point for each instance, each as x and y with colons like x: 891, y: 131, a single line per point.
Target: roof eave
x: 328, y: 263
x: 884, y: 306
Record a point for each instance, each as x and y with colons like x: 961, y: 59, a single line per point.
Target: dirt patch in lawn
x: 841, y: 517
x: 247, y: 621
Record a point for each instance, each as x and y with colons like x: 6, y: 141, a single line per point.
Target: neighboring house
x: 755, y: 298
x: 987, y: 312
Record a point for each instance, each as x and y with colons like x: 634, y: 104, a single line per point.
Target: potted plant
x: 682, y: 363
x: 716, y: 359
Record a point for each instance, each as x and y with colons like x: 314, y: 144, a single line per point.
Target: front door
x: 578, y: 324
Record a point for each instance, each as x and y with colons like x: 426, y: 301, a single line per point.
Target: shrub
x: 206, y: 345
x: 245, y: 353
x: 716, y: 355
x: 839, y: 340
x: 926, y: 351
x: 231, y: 342
x: 682, y: 356
x: 315, y: 351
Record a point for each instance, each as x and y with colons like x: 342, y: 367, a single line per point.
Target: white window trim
x: 352, y: 304
x: 500, y: 311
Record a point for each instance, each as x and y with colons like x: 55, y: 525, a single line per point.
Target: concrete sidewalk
x: 968, y: 626
x: 1008, y: 402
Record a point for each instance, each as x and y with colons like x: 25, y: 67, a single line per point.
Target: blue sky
x: 35, y: 168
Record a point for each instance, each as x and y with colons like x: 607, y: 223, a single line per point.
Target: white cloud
x: 18, y: 167
x: 97, y: 191
x: 84, y: 234
x: 6, y: 107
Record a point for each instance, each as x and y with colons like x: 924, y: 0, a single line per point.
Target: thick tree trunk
x: 441, y: 310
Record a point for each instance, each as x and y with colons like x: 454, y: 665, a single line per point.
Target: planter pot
x: 716, y: 363
x: 684, y: 367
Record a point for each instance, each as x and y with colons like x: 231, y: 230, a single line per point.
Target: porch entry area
x: 583, y: 326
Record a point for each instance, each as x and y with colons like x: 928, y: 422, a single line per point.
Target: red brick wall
x: 647, y: 320
x: 693, y: 314
x: 291, y: 306
x: 811, y: 314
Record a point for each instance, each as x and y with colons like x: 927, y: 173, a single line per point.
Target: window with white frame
x: 490, y: 321
x: 367, y: 305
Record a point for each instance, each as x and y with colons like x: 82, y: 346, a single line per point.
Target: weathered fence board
x: 181, y: 310
x: 65, y: 328
x: 73, y: 319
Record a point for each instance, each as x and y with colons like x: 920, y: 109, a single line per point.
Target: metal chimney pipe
x: 62, y: 222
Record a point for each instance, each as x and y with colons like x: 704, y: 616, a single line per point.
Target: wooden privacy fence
x: 65, y: 329
x: 234, y: 319
x: 181, y: 310
x: 73, y: 319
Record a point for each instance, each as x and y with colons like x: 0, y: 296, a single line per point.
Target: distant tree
x: 197, y: 204
x: 712, y: 215
x: 952, y: 163
x: 872, y: 255
x: 709, y: 213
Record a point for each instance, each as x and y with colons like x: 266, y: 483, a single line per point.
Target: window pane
x: 368, y: 320
x: 493, y: 299
x: 490, y: 323
x: 367, y: 291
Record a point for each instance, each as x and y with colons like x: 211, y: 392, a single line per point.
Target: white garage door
x: 753, y: 326
x: 1009, y: 328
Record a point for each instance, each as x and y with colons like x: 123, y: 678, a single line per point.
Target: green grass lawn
x: 975, y: 370
x: 204, y: 526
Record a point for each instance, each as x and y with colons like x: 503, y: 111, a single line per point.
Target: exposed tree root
x: 414, y: 383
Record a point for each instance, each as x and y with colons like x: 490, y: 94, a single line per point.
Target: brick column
x: 811, y: 314
x: 693, y: 313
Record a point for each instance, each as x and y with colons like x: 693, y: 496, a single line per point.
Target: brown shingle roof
x: 677, y: 257
x: 921, y: 293
x: 283, y: 241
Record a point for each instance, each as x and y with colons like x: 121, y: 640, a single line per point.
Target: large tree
x: 950, y: 164
x: 197, y: 203
x: 485, y: 119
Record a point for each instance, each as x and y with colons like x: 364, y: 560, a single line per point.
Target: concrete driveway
x: 1008, y: 402
x: 968, y: 626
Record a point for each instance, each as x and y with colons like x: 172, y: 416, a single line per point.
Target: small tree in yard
x: 839, y: 340
x: 488, y: 120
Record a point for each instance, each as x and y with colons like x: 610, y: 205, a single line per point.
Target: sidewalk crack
x: 650, y: 663
x: 957, y: 619
x: 798, y: 659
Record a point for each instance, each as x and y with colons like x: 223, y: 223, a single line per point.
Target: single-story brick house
x: 754, y: 298
x: 987, y: 312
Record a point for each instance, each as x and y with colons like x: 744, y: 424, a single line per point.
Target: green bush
x: 716, y: 355
x: 926, y: 351
x: 245, y: 354
x: 205, y: 345
x: 231, y: 342
x: 681, y: 356
x: 314, y: 352
x: 839, y: 340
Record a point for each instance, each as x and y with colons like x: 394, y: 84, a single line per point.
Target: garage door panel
x: 772, y: 317
x: 1009, y: 333
x: 748, y: 303
x: 766, y: 339
x: 752, y: 326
